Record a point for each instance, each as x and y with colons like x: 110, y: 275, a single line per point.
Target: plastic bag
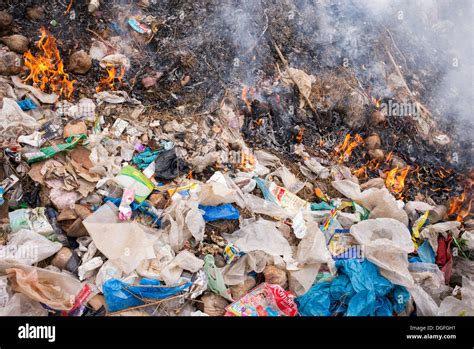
x: 236, y: 273
x: 195, y: 221
x: 215, y: 193
x: 386, y: 242
x: 21, y: 305
x: 28, y: 247
x: 125, y: 243
x: 261, y: 206
x: 215, y: 279
x: 425, y: 305
x: 301, y: 280
x: 14, y: 121
x: 31, y: 219
x: 289, y: 179
x: 106, y: 272
x: 379, y: 202
x: 261, y: 235
x: 185, y: 260
x: 451, y: 306
x: 312, y: 249
x: 215, y: 213
x: 56, y: 290
x: 358, y: 290
x: 120, y: 295
x: 168, y: 166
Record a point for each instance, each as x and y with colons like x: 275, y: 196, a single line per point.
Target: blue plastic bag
x: 426, y: 253
x: 364, y: 276
x: 143, y: 207
x: 400, y: 298
x: 383, y: 307
x: 214, y: 213
x: 358, y: 290
x: 26, y: 104
x: 120, y: 295
x: 362, y: 304
x: 145, y: 158
x: 315, y: 302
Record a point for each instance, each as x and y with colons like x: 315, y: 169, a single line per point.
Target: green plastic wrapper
x: 49, y: 152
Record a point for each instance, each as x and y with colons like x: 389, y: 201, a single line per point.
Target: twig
x: 69, y: 7
x: 395, y: 45
x: 397, y: 69
x: 100, y: 38
x: 250, y: 49
x: 285, y: 63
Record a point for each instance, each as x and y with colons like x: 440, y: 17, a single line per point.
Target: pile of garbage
x: 110, y: 208
x: 106, y: 215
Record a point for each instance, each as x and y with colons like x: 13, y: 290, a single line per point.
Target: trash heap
x: 110, y: 208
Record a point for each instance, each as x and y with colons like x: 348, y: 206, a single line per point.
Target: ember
x: 47, y: 68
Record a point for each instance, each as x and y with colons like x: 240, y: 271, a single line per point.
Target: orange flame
x: 247, y: 161
x: 345, y: 149
x: 462, y: 205
x: 299, y: 137
x: 110, y: 79
x: 376, y: 101
x: 362, y: 172
x: 245, y: 91
x: 47, y: 68
x: 395, y: 180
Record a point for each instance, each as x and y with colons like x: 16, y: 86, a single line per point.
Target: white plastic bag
x: 195, y: 221
x: 425, y: 305
x: 185, y: 260
x: 237, y: 272
x: 386, y: 242
x: 125, y: 243
x: 28, y: 247
x: 261, y: 235
x: 21, y: 305
x: 379, y: 202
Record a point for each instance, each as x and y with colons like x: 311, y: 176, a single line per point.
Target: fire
x: 298, y: 138
x: 245, y: 91
x: 376, y: 101
x: 462, y: 205
x: 247, y: 161
x: 47, y: 68
x: 362, y: 172
x: 395, y: 180
x: 109, y: 80
x: 345, y: 149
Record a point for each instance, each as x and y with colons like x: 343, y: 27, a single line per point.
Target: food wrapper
x: 231, y: 253
x: 264, y: 300
x: 343, y: 245
x: 131, y: 178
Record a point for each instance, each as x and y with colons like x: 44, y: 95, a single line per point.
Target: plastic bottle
x: 52, y: 217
